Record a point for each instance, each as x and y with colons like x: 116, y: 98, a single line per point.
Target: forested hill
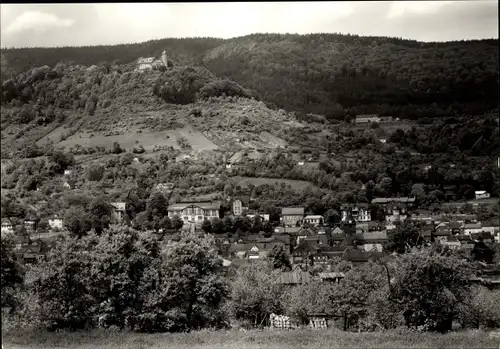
x: 329, y: 74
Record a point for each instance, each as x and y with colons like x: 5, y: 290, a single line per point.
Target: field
x: 297, y: 185
x: 147, y: 139
x: 304, y: 338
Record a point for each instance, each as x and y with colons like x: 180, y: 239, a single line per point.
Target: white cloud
x: 38, y: 21
x: 400, y: 8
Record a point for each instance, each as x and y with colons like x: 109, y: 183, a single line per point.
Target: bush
x: 220, y: 88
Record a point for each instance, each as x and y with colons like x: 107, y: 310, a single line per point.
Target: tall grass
x: 303, y: 338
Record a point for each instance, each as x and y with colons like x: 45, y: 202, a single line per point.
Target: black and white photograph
x: 250, y: 175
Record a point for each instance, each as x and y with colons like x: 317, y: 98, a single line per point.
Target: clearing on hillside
x: 148, y: 139
x: 296, y: 184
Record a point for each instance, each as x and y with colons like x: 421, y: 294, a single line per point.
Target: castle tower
x: 164, y: 58
x: 349, y: 225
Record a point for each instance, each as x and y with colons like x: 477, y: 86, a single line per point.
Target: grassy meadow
x: 304, y: 338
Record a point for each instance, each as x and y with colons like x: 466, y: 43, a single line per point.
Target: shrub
x: 224, y: 87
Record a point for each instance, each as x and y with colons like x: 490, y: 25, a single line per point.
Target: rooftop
x: 388, y: 200
x: 204, y: 205
x: 292, y: 211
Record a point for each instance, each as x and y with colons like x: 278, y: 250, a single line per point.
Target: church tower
x: 164, y: 58
x: 348, y: 225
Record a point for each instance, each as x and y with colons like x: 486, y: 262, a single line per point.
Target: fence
x: 280, y: 322
x: 318, y: 322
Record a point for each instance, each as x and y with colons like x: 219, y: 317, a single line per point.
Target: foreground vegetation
x: 245, y: 340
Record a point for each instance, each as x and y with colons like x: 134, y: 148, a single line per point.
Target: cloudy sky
x: 104, y: 24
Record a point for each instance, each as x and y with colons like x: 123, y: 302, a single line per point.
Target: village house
x: 372, y: 241
x: 31, y: 253
x: 331, y: 277
x: 164, y: 187
x: 484, y: 236
x: 442, y: 232
x: 481, y: 194
x: 383, y: 140
x: 118, y: 212
x: 151, y: 62
x: 360, y: 213
x: 263, y: 216
x: 195, y: 212
x: 490, y: 227
x: 367, y: 118
x: 7, y: 226
x: 395, y: 212
x: 67, y: 172
x: 295, y: 277
x: 30, y: 223
x: 452, y: 242
x: 257, y: 250
x: 240, y: 206
x: 287, y: 230
x: 386, y: 119
x: 314, y: 220
x: 56, y: 223
x: 405, y: 202
x: 69, y: 184
x: 357, y: 256
x: 472, y: 228
x: 292, y: 216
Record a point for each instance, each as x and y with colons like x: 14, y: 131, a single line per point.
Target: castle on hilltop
x: 151, y: 62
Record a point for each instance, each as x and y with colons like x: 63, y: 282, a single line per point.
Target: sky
x: 49, y: 25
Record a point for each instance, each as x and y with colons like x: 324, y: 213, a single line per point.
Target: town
x: 270, y: 190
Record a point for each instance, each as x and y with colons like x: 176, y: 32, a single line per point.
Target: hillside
x: 186, y: 108
x: 329, y: 74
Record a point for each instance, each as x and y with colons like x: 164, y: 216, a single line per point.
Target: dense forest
x: 329, y: 74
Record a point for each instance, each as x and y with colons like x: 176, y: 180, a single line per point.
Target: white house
x: 118, y: 211
x: 360, y: 214
x: 67, y: 172
x: 313, y: 220
x: 383, y: 140
x: 238, y: 208
x: 263, y: 216
x: 195, y: 212
x: 482, y: 194
x: 6, y: 226
x: 56, y: 223
x: 472, y: 228
x: 300, y: 163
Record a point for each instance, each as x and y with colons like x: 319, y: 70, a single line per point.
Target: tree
x: 95, y: 173
x: 100, y: 214
x: 257, y: 225
x: 77, y: 221
x: 482, y: 252
x: 177, y: 223
x: 254, y: 304
x: 217, y: 226
x: 354, y: 295
x: 206, y: 226
x: 306, y: 299
x: 62, y: 285
x: 280, y: 258
x: 331, y: 217
x: 404, y: 238
x: 117, y: 148
x: 11, y: 274
x: 191, y: 287
x: 62, y: 160
x: 429, y: 284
